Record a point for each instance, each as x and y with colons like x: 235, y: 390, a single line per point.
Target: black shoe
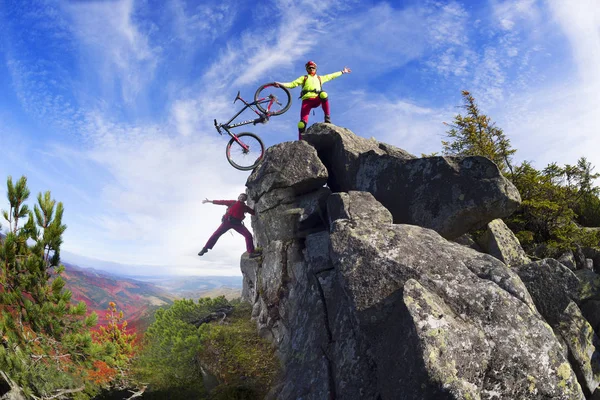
x: 255, y: 254
x: 327, y: 119
x: 203, y: 251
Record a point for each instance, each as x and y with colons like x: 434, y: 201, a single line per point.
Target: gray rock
x: 452, y: 195
x: 593, y: 254
x: 13, y: 391
x: 360, y: 308
x: 591, y: 311
x: 499, y: 241
x: 583, y: 343
x: 296, y: 217
x: 289, y: 165
x: 459, y: 294
x: 554, y: 288
x: 357, y: 206
x: 468, y: 241
x: 589, y: 285
x: 568, y: 260
x: 551, y: 285
x: 249, y: 267
x: 342, y: 151
x: 580, y: 261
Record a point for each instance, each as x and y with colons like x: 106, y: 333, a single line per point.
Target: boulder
x: 499, y: 241
x: 554, y: 287
x: 593, y: 253
x: 591, y: 311
x: 357, y: 206
x: 468, y: 241
x: 452, y: 195
x: 294, y: 217
x: 568, y: 260
x: 342, y: 151
x: 580, y: 261
x: 293, y: 166
x: 589, y: 285
x: 250, y: 276
x: 462, y: 317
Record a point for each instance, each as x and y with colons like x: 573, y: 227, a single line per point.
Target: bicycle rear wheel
x: 273, y: 100
x: 246, y: 154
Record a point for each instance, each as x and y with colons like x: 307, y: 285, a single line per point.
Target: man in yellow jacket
x: 312, y: 94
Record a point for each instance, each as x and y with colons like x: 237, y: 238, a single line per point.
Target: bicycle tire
x: 287, y: 99
x: 233, y: 150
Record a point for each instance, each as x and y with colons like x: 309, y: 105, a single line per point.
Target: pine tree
x: 475, y: 135
x: 46, y: 346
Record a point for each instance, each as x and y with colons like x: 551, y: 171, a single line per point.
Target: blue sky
x: 109, y: 104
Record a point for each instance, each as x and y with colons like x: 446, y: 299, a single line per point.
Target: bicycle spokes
x: 272, y: 100
x: 245, y: 151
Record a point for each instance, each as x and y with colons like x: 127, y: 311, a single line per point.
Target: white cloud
x: 114, y: 44
x: 205, y: 21
x: 509, y: 13
x: 581, y: 25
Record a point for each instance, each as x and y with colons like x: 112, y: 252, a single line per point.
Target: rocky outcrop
x: 452, y: 195
x: 499, y: 241
x: 360, y: 307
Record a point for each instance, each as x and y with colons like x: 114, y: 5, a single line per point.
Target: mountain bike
x: 246, y: 150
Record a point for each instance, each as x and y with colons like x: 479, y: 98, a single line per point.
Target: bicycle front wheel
x: 246, y: 152
x: 273, y: 100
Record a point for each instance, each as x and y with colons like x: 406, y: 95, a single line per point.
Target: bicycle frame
x: 262, y: 117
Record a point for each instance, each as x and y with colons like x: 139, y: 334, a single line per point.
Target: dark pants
x: 239, y: 228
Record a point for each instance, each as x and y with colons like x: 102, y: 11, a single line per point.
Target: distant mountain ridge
x: 97, y: 289
x: 139, y: 296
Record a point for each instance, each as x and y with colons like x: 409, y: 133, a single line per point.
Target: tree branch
x: 138, y: 393
x: 63, y: 392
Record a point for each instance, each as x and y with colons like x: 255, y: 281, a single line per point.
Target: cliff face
x: 365, y: 297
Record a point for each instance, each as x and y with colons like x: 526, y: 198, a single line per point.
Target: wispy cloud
x: 205, y: 21
x: 113, y: 41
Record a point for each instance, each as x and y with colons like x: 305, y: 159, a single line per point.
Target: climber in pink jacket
x: 233, y: 219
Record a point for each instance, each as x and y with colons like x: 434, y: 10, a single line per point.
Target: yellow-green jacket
x: 312, y: 86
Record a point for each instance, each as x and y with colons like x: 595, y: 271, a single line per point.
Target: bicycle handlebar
x: 218, y: 127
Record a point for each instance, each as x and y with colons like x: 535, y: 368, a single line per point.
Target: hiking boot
x: 327, y: 119
x: 203, y: 251
x: 255, y: 254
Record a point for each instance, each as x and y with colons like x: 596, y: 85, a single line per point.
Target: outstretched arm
x: 328, y: 77
x: 291, y: 84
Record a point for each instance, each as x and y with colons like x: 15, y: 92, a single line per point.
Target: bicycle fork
x: 243, y: 145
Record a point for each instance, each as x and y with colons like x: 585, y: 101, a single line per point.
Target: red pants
x: 239, y: 228
x: 309, y: 104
